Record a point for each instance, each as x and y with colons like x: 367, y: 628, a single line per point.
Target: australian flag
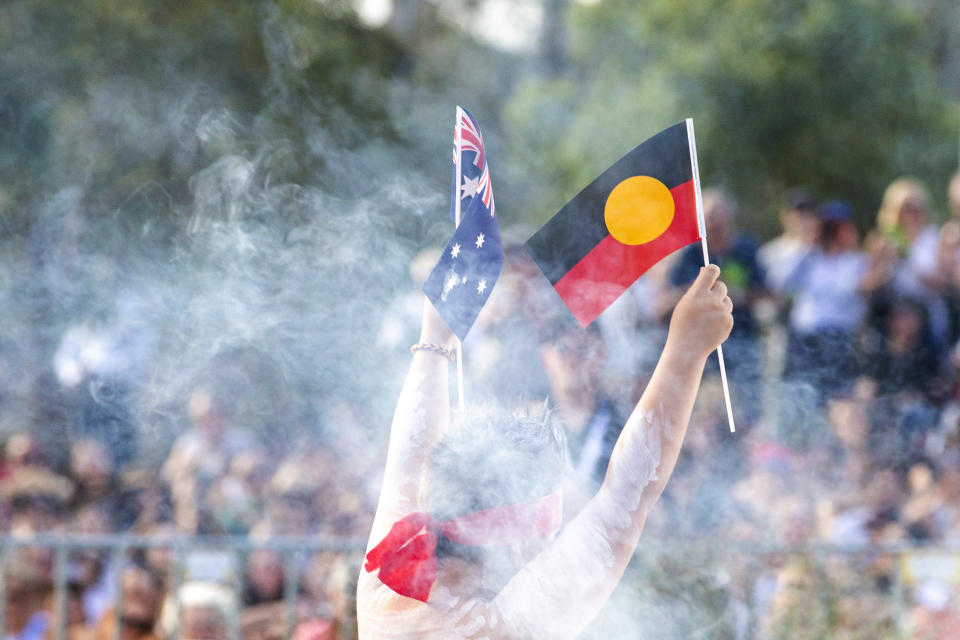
x: 471, y: 262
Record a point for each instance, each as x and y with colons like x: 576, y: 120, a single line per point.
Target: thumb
x: 708, y: 276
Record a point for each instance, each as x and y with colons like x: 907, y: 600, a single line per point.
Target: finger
x: 727, y: 304
x: 708, y: 275
x: 719, y: 289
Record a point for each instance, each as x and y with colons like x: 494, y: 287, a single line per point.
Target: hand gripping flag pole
x: 706, y: 261
x: 640, y: 210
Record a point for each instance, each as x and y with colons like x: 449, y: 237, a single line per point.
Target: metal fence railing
x: 910, y: 564
x: 223, y: 555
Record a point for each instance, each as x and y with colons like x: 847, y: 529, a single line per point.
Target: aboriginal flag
x: 637, y: 212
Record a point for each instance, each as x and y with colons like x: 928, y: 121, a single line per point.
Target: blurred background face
x: 718, y: 216
x: 204, y: 412
x: 904, y: 207
x: 91, y: 464
x: 202, y: 623
x: 953, y: 196
x: 913, y: 214
x: 265, y: 574
x: 22, y: 449
x: 572, y: 359
x: 142, y: 598
x: 807, y: 226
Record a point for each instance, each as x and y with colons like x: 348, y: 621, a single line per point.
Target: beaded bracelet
x: 435, y: 348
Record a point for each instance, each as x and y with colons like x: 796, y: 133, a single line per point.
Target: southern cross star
x: 451, y: 281
x: 469, y: 187
x: 481, y: 286
x: 480, y: 240
x: 455, y: 250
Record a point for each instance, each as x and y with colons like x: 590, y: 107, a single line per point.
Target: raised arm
x: 562, y: 589
x: 422, y: 414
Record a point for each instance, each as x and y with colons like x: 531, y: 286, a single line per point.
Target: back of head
x: 205, y: 608
x: 493, y: 459
x: 800, y: 199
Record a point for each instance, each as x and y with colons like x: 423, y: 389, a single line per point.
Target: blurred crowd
x: 216, y: 481
x: 844, y: 370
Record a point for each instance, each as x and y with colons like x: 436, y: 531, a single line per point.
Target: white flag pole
x: 456, y: 197
x: 706, y: 259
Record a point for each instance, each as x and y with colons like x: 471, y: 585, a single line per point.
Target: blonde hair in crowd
x: 900, y: 193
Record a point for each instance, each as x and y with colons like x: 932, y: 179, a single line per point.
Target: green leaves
x: 840, y: 96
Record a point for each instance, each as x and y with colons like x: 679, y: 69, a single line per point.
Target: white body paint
x: 554, y: 595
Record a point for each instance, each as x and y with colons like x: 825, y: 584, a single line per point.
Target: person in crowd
x: 329, y: 586
x: 95, y: 564
x: 779, y: 257
x: 293, y: 489
x: 147, y: 499
x: 953, y: 196
x: 76, y: 618
x: 205, y: 609
x: 38, y: 499
x: 904, y: 357
x: 513, y: 320
x: 263, y: 577
x: 947, y: 514
x: 199, y: 457
x: 736, y: 255
x: 904, y: 217
x: 143, y: 591
x: 904, y: 250
x: 207, y: 448
x: 572, y: 358
x: 92, y: 471
x: 828, y: 306
x: 633, y: 327
x: 484, y: 558
x: 27, y: 607
x: 21, y: 450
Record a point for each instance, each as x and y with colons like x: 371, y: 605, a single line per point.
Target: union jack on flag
x: 471, y: 262
x: 471, y: 141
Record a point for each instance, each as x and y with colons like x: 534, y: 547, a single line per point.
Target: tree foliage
x: 255, y: 176
x: 840, y: 96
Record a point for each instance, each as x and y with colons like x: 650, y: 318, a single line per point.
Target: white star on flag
x: 469, y: 187
x: 455, y: 250
x: 482, y: 286
x: 449, y: 283
x: 480, y: 240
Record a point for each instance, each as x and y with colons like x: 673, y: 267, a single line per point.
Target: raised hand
x: 703, y: 318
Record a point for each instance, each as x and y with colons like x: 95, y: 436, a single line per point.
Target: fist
x: 703, y: 318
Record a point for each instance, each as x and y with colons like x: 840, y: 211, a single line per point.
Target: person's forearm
x: 422, y: 413
x: 421, y: 417
x: 573, y: 577
x: 576, y: 574
x: 664, y: 412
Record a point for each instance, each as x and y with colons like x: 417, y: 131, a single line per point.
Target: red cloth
x: 407, y: 558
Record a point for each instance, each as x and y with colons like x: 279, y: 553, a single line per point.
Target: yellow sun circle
x: 638, y: 210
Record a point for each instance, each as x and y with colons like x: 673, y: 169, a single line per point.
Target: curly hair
x: 490, y: 459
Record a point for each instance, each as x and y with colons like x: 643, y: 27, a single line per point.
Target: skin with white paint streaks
x: 566, y: 582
